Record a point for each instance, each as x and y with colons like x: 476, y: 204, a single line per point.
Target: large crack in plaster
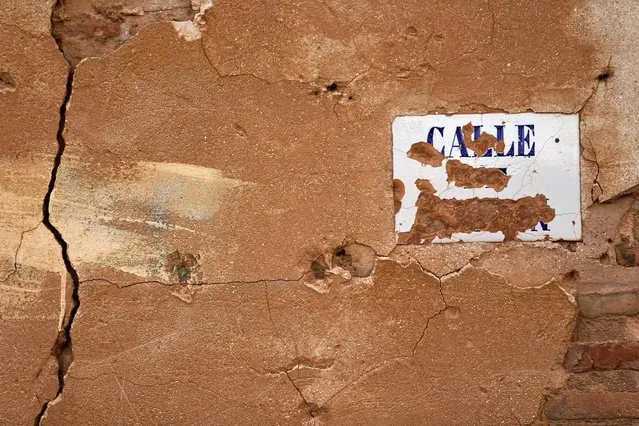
x: 63, y: 346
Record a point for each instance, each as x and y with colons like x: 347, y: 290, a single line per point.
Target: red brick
x: 578, y: 405
x: 604, y: 381
x: 594, y: 305
x: 607, y: 329
x: 602, y: 356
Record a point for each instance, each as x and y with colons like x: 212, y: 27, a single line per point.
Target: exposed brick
x: 602, y: 356
x: 605, y: 329
x: 607, y: 279
x: 578, y: 405
x: 604, y: 381
x: 594, y: 305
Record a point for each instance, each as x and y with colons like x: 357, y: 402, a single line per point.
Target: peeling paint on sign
x: 501, y: 177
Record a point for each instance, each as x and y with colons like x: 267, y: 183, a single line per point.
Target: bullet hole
x: 556, y: 140
x: 183, y: 274
x: 605, y: 74
x: 239, y: 130
x: 341, y: 258
x: 572, y: 275
x: 350, y: 98
x: 329, y: 88
x: 411, y: 31
x: 314, y: 410
x: 604, y: 259
x: 5, y: 77
x: 609, y: 240
x: 183, y: 267
x: 319, y: 269
x: 332, y: 87
x: 357, y: 259
x: 6, y: 82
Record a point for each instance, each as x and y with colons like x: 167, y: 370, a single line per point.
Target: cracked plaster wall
x: 194, y: 185
x: 33, y: 279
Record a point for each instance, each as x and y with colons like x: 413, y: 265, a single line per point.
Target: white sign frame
x: 553, y: 170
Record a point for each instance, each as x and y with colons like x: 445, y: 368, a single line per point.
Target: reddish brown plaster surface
x: 441, y: 218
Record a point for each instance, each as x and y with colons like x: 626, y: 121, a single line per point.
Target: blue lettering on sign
x: 524, y: 146
x: 524, y: 140
x: 544, y: 227
x: 459, y: 137
x: 431, y: 137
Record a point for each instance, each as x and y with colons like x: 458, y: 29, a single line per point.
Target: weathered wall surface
x: 32, y: 275
x: 201, y: 231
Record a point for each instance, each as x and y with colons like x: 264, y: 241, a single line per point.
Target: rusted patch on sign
x: 482, y: 144
x: 426, y: 154
x: 442, y: 218
x: 399, y: 190
x: 424, y: 185
x: 466, y: 176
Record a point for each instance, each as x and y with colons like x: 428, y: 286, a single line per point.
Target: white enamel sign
x: 486, y: 177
